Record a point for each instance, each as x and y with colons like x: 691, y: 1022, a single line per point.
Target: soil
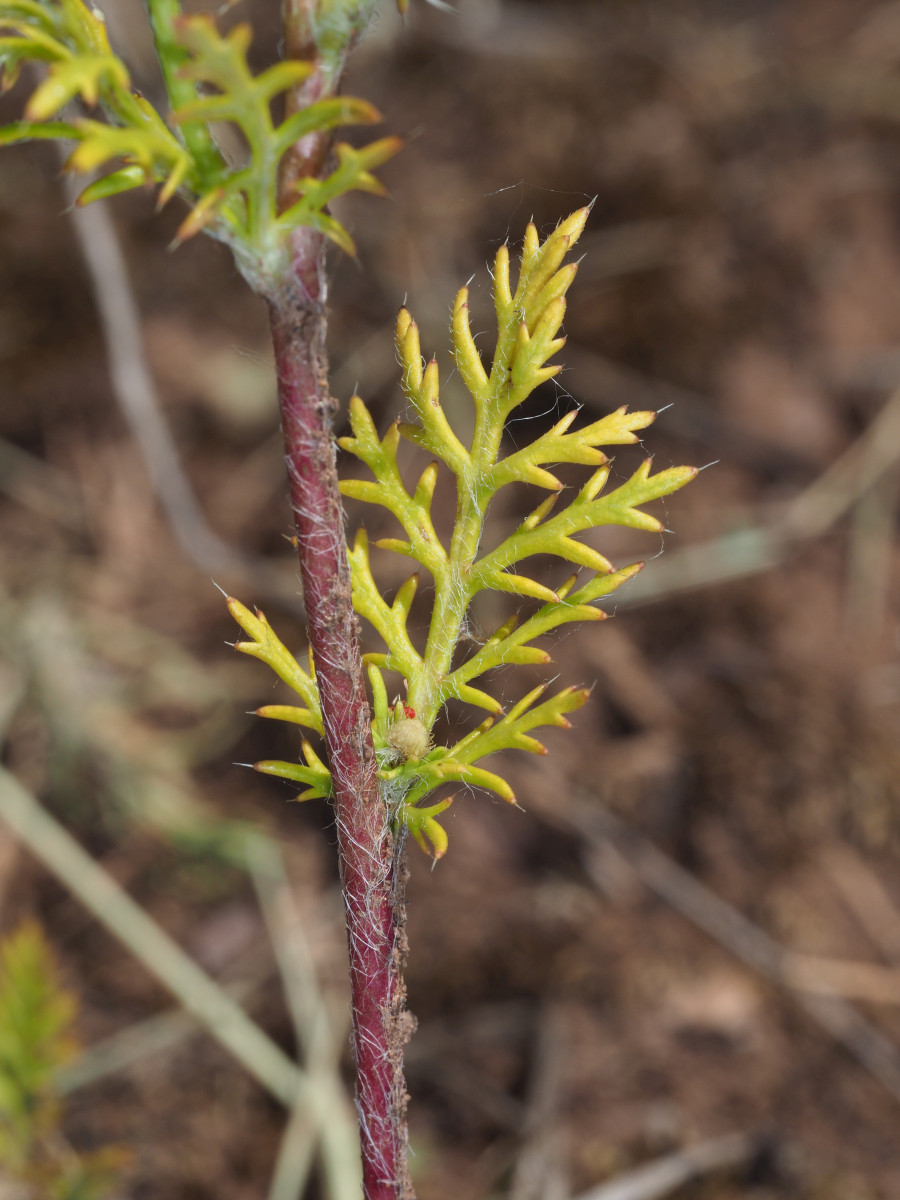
x: 585, y: 1005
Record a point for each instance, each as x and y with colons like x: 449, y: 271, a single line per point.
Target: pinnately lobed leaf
x: 529, y: 320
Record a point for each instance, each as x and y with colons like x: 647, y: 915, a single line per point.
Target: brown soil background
x: 742, y: 264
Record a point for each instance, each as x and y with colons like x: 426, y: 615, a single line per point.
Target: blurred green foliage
x: 37, y: 1015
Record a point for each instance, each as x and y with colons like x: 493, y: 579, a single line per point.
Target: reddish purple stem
x: 371, y: 872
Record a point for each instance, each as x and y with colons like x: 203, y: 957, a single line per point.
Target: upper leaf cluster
x: 209, y: 81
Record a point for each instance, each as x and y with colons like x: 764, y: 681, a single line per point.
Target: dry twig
x: 669, y: 1174
x: 128, y: 922
x: 867, y: 898
x: 539, y: 1172
x: 319, y: 1041
x: 731, y: 929
x: 138, y: 399
x: 810, y: 515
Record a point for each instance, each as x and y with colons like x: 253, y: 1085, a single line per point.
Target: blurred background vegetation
x: 693, y: 930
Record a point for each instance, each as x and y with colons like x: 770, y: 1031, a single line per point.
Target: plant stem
x: 453, y: 590
x: 172, y: 57
x: 371, y: 865
x: 323, y: 33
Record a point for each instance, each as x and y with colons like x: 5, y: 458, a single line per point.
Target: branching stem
x: 453, y: 589
x: 452, y: 598
x: 172, y: 57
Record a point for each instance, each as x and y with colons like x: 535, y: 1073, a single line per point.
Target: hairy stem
x: 323, y: 33
x: 371, y: 866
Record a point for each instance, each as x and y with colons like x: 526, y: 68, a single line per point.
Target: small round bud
x: 409, y: 738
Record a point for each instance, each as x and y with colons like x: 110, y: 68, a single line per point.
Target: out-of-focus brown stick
x: 669, y: 1174
x: 137, y: 396
x: 732, y: 930
x: 763, y: 545
x: 867, y: 898
x: 539, y: 1173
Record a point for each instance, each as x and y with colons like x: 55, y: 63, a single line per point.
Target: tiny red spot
x: 410, y: 712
